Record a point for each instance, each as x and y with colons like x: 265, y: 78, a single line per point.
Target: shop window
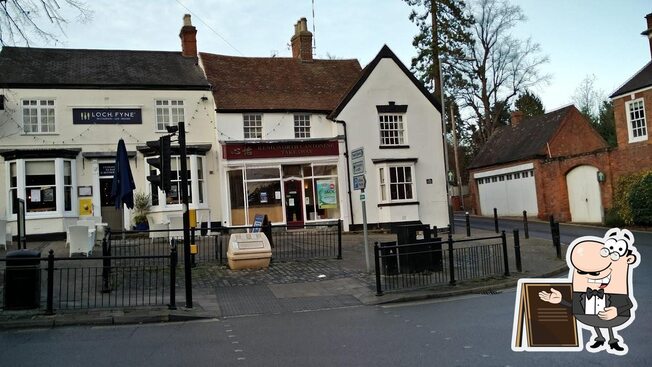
x: 236, y: 196
x: 195, y: 178
x: 253, y: 126
x: 169, y: 113
x: 301, y: 126
x: 321, y: 193
x: 38, y: 116
x: 35, y: 181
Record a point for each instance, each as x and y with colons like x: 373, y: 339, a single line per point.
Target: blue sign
x: 259, y: 219
x: 108, y: 116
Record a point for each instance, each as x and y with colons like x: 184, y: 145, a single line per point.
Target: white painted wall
x: 200, y: 126
x: 276, y: 126
x: 387, y: 83
x: 584, y: 195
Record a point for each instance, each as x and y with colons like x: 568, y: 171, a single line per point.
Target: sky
x: 580, y: 37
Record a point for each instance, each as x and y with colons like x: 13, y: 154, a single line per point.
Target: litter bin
x: 389, y: 258
x: 426, y: 256
x: 23, y: 280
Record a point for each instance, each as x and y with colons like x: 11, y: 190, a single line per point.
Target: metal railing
x: 91, y: 282
x: 428, y: 263
x: 310, y: 241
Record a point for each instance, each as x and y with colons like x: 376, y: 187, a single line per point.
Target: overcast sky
x: 581, y: 37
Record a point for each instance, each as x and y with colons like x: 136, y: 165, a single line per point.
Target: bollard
x: 49, y: 310
x: 517, y: 251
x: 496, y: 219
x: 525, y: 226
x: 503, y: 239
x: 468, y: 224
x: 339, y: 239
x: 557, y: 240
x: 193, y: 262
x: 379, y: 290
x: 552, y: 228
x: 451, y: 262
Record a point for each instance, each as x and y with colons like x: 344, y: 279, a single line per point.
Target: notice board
x: 544, y: 324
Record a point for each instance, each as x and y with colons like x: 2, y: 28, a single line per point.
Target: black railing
x: 438, y: 262
x: 90, y: 282
x: 310, y: 241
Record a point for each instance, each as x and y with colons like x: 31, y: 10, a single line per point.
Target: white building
x: 286, y: 126
x: 64, y: 111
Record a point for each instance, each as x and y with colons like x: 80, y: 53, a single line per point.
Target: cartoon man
x: 600, y: 269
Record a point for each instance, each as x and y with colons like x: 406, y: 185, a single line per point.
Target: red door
x: 293, y: 203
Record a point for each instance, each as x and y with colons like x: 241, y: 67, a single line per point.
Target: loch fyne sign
x: 106, y: 116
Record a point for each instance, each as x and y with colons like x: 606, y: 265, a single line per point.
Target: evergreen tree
x: 451, y: 30
x: 606, y: 123
x: 529, y: 104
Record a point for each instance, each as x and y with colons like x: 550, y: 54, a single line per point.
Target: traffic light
x: 162, y: 163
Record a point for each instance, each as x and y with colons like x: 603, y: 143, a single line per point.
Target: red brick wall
x: 575, y: 136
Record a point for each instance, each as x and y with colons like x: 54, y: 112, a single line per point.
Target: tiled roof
x: 276, y: 83
x: 120, y: 69
x: 640, y: 80
x: 524, y: 141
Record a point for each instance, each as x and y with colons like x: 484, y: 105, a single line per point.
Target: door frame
x: 300, y: 204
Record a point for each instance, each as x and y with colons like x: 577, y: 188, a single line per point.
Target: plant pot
x: 141, y: 226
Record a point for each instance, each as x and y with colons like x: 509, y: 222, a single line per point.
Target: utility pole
x: 457, y: 161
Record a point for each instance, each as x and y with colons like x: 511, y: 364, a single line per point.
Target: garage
x: 510, y: 190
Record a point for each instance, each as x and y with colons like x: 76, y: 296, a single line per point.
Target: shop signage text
x: 107, y: 116
x: 279, y: 150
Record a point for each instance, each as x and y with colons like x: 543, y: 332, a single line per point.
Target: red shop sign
x: 278, y: 150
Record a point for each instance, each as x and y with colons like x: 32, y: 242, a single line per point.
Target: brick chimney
x: 648, y: 31
x: 517, y: 116
x: 188, y: 35
x: 302, y: 41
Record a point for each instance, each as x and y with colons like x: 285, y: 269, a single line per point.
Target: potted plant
x: 141, y: 208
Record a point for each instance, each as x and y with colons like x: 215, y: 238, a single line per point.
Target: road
x: 473, y: 330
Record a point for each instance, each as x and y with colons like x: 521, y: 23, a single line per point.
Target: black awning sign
x: 108, y: 116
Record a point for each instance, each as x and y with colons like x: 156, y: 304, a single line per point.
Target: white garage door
x: 584, y: 195
x: 510, y: 190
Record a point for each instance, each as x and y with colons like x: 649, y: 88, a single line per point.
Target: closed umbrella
x: 123, y: 186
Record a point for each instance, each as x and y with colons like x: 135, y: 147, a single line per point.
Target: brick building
x: 556, y: 164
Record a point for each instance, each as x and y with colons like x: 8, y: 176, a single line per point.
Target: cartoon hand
x: 553, y: 297
x: 609, y: 313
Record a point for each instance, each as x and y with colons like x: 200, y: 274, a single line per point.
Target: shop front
x: 292, y: 183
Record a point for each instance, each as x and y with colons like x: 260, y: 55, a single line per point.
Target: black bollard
x: 525, y: 226
x: 496, y: 219
x: 468, y: 224
x: 517, y: 251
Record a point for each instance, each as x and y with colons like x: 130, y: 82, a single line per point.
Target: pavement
x: 293, y: 286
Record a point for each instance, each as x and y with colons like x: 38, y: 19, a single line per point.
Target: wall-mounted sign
x: 278, y: 150
x: 107, y: 169
x: 109, y: 116
x: 84, y: 190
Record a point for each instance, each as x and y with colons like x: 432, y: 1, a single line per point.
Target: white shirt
x: 594, y: 305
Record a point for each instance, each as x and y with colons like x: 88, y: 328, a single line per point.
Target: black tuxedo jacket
x: 621, y: 301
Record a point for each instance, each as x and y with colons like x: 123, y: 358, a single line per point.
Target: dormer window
x: 636, y: 125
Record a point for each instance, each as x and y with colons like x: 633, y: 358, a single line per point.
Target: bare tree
x: 22, y: 20
x: 588, y: 97
x: 497, y: 68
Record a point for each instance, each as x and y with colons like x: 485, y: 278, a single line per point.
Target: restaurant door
x: 294, y: 202
x: 110, y: 215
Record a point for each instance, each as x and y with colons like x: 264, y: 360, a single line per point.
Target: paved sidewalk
x: 294, y: 286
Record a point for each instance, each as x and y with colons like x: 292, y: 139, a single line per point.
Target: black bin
x: 23, y: 280
x: 425, y: 255
x: 389, y: 257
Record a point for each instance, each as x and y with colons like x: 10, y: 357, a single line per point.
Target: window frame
x: 59, y: 187
x: 401, y: 133
x: 39, y: 116
x: 257, y: 130
x: 385, y: 183
x: 302, y: 126
x: 168, y: 107
x: 630, y: 128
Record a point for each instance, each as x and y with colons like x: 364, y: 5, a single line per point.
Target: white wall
x: 424, y: 136
x: 276, y: 126
x: 200, y: 126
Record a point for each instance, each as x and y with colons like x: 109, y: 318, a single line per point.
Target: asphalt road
x: 474, y: 330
